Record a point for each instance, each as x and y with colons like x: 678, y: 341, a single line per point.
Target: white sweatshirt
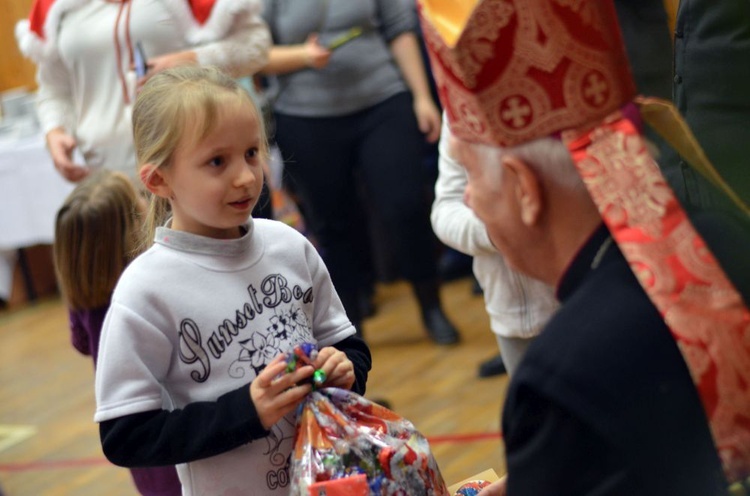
x: 194, y: 318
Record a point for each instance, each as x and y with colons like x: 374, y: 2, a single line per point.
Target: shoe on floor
x: 492, y: 367
x: 438, y: 327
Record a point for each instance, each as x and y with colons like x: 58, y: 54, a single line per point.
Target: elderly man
x: 579, y: 417
x: 541, y: 105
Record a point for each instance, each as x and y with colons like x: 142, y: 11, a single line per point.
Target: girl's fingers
x: 269, y: 374
x: 300, y: 375
x: 290, y: 398
x: 342, y: 375
x: 344, y: 380
x: 323, y: 356
x: 283, y: 381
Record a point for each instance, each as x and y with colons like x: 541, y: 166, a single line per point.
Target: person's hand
x: 497, y: 488
x: 158, y: 64
x: 428, y: 118
x: 338, y: 368
x: 276, y: 393
x: 316, y: 55
x: 61, y: 145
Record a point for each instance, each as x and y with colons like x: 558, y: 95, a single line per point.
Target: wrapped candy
x: 345, y: 444
x: 471, y: 488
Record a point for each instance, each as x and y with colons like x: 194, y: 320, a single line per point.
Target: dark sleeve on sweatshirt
x: 200, y: 430
x: 358, y: 352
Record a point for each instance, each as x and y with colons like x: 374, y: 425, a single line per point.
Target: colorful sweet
x: 471, y: 488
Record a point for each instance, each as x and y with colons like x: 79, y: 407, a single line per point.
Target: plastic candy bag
x: 347, y: 445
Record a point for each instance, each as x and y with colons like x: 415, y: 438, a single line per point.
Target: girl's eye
x: 216, y: 162
x: 251, y: 153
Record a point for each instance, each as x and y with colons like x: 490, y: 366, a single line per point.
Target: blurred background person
x: 353, y: 104
x: 710, y: 89
x: 518, y: 306
x: 88, y: 67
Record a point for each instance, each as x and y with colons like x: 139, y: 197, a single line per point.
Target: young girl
x: 191, y: 367
x: 95, y: 237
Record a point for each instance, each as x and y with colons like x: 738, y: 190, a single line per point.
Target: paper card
x: 488, y: 475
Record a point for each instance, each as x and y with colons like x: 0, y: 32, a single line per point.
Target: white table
x: 31, y: 191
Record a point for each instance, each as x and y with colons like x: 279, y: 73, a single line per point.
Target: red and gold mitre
x: 509, y: 71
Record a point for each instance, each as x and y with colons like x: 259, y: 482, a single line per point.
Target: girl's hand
x: 61, y: 145
x: 276, y: 393
x: 338, y: 368
x: 497, y: 488
x: 316, y: 55
x: 428, y: 118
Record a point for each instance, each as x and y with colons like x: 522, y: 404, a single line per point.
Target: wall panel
x: 15, y: 70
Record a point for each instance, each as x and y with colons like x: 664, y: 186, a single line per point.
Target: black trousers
x: 382, y: 148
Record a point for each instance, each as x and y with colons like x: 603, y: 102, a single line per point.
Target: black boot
x: 492, y: 367
x: 438, y: 327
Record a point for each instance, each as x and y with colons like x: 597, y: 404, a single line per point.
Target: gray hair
x: 549, y: 158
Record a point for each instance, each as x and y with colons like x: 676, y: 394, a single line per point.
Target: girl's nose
x: 248, y: 175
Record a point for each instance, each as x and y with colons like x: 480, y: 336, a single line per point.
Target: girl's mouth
x: 241, y: 204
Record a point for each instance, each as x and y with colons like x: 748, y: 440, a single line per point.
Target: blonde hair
x: 96, y: 232
x: 172, y: 103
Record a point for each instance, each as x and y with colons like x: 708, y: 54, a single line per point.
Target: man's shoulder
x: 610, y: 311
x: 606, y: 337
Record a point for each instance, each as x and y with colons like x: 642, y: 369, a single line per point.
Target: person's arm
x: 200, y: 430
x: 283, y: 59
x: 452, y: 220
x: 242, y: 52
x: 206, y: 428
x: 405, y: 50
x: 359, y: 354
x: 56, y: 115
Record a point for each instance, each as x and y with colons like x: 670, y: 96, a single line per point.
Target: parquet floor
x: 49, y: 443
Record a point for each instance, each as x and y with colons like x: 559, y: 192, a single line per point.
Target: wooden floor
x: 49, y: 443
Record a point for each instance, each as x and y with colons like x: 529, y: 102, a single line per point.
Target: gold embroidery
x: 479, y: 46
x: 625, y: 182
x: 705, y: 313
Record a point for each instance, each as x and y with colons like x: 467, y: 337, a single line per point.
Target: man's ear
x: 527, y: 189
x: 153, y: 178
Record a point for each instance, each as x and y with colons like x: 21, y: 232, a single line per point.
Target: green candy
x: 319, y: 377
